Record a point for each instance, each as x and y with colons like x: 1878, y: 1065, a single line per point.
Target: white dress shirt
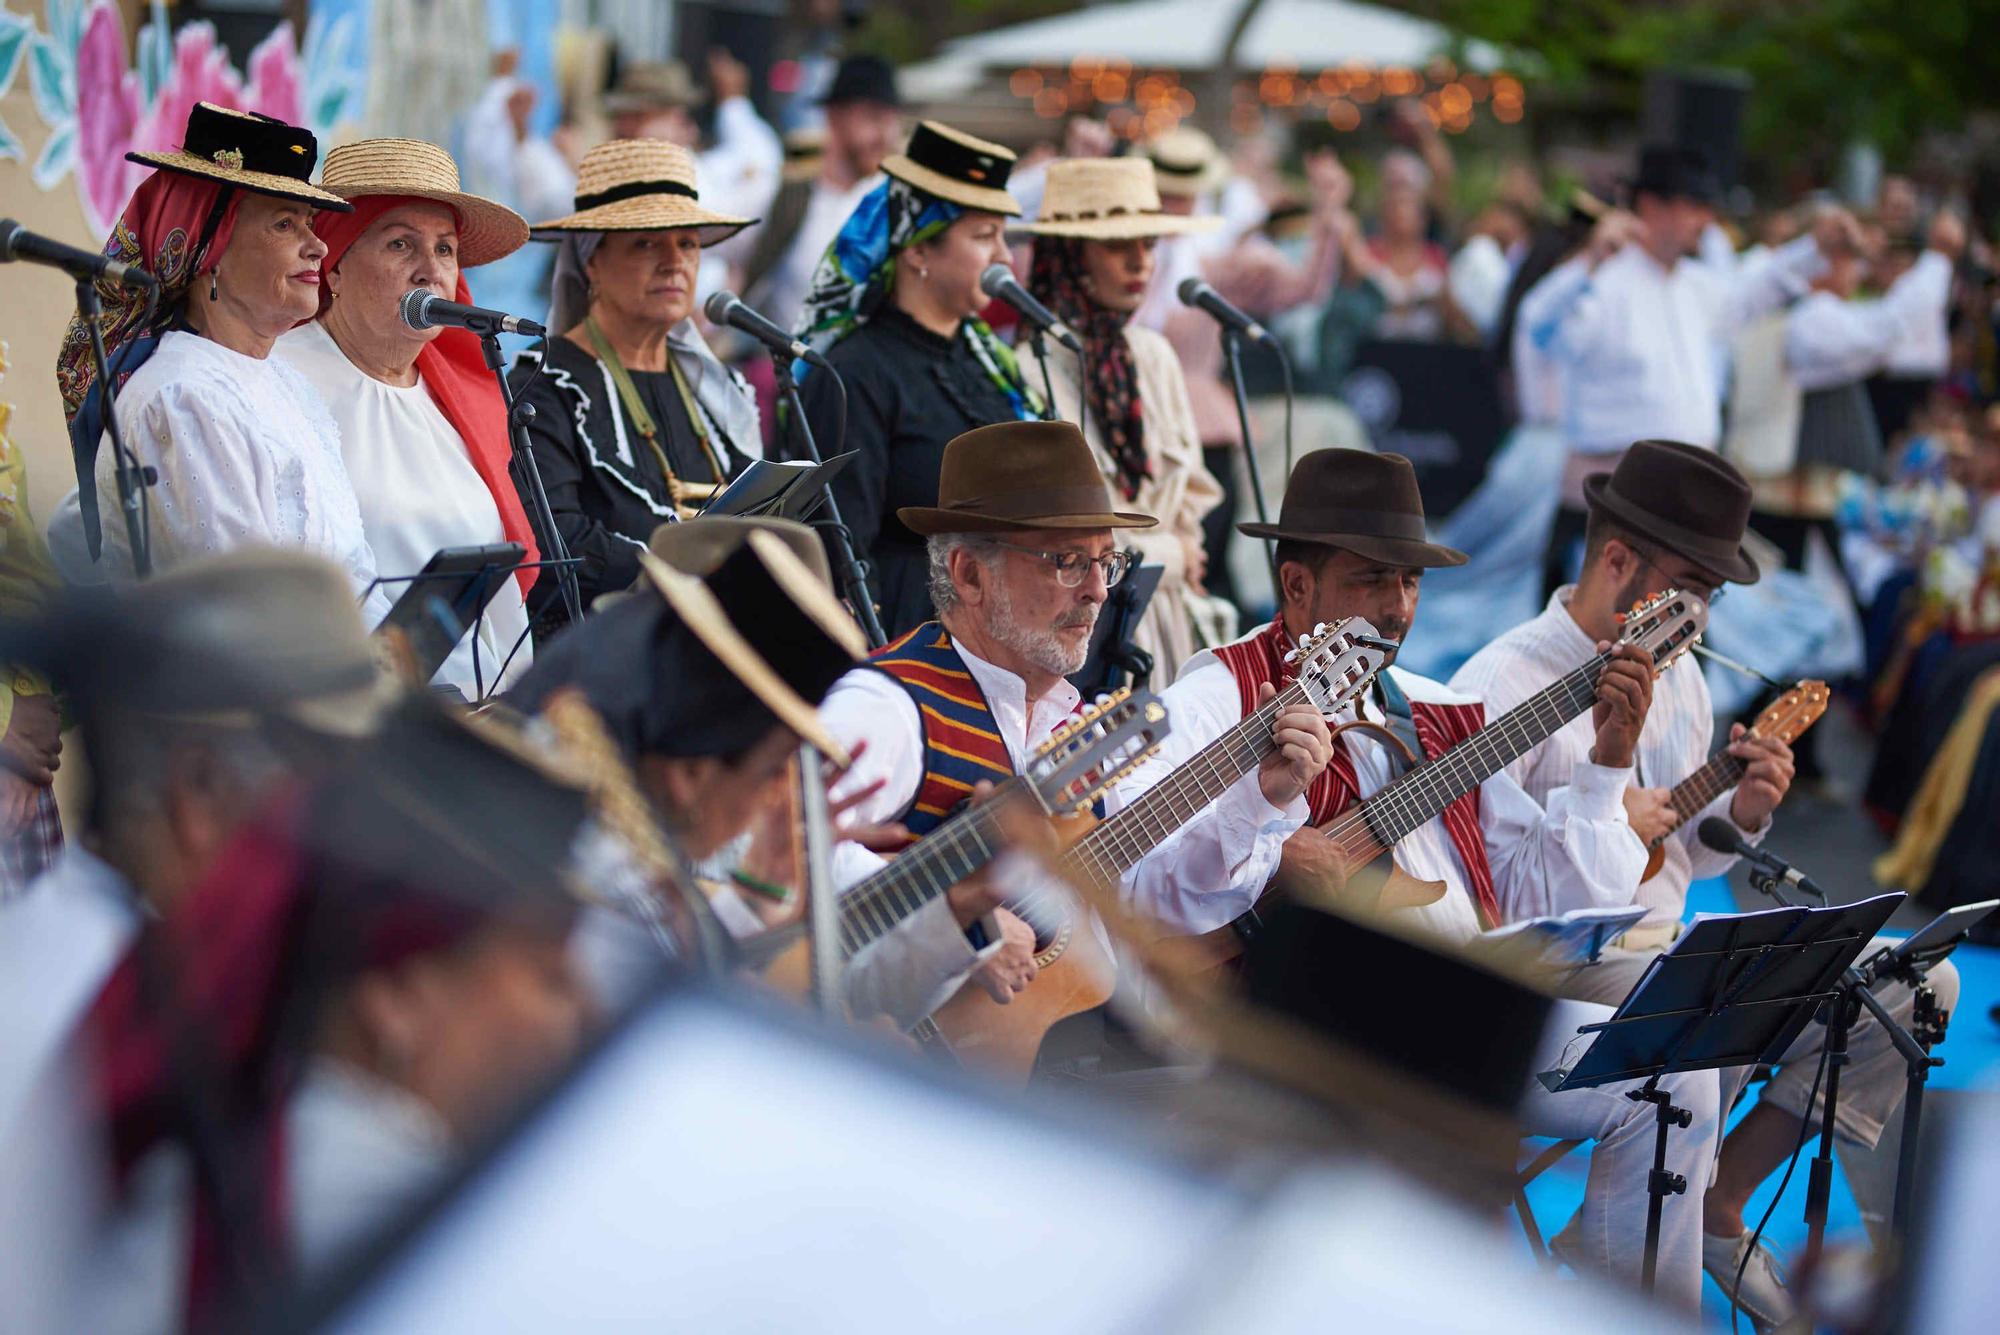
x: 912, y: 970
x: 1829, y: 341
x: 1580, y: 852
x: 1673, y: 744
x: 247, y: 455
x: 418, y: 492
x: 738, y: 173
x: 1642, y: 344
x: 59, y: 942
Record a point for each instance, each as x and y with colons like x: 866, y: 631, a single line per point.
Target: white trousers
x: 1608, y: 1233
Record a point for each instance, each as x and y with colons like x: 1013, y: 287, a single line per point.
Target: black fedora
x: 863, y: 79
x: 1689, y: 500
x: 1360, y: 502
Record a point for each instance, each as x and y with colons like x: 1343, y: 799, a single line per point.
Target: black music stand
x: 441, y: 602
x: 1734, y: 991
x: 1112, y: 660
x: 779, y: 488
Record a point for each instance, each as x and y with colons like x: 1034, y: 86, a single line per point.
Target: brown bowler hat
x: 1360, y: 502
x: 1019, y: 475
x: 1691, y: 501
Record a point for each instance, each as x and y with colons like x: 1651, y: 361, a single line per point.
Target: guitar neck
x: 1430, y: 787
x: 1115, y: 845
x: 923, y: 871
x: 1693, y: 794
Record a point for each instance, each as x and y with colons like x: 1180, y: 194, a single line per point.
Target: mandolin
x: 1787, y: 720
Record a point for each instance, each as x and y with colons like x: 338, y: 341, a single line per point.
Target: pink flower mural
x: 98, y: 107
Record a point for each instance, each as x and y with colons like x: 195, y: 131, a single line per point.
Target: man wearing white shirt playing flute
x: 1351, y: 542
x: 1672, y: 516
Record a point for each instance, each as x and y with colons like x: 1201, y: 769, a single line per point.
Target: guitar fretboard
x: 1435, y: 784
x: 1693, y: 794
x: 950, y: 853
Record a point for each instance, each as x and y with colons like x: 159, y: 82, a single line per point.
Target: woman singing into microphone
x: 422, y: 425
x: 894, y: 307
x: 636, y: 422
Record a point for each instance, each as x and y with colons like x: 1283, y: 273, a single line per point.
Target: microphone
x: 999, y: 283
x: 424, y: 309
x: 1193, y: 292
x: 1718, y: 834
x: 18, y: 243
x: 726, y: 308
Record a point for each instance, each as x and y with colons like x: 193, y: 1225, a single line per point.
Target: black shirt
x: 909, y: 391
x: 606, y: 501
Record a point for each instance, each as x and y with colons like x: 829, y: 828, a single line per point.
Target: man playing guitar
x: 1352, y: 543
x: 1673, y: 516
x: 1021, y: 555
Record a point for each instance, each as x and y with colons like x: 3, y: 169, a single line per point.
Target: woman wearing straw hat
x: 636, y: 422
x: 244, y: 450
x: 423, y: 428
x: 894, y: 307
x: 1093, y: 266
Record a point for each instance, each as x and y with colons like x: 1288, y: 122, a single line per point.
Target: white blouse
x: 246, y: 454
x: 418, y: 492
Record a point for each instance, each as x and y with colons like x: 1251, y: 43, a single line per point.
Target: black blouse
x: 606, y: 488
x: 909, y: 391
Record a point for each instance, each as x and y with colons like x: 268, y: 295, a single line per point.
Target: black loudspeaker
x: 1698, y: 109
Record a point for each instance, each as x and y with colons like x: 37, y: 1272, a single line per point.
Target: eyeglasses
x: 1695, y: 584
x: 1069, y: 566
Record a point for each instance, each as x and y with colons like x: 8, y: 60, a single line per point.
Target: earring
x: 924, y: 274
x: 211, y: 284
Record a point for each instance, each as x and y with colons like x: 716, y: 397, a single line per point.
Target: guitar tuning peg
x: 1291, y: 656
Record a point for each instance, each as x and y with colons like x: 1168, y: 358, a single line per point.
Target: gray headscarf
x: 569, y: 290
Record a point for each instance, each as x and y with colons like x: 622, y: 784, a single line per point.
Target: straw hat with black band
x: 640, y: 185
x: 651, y: 85
x: 248, y: 151
x: 953, y: 165
x: 1359, y: 502
x: 1187, y: 162
x: 1689, y: 500
x: 1013, y: 476
x: 411, y: 168
x: 1107, y: 199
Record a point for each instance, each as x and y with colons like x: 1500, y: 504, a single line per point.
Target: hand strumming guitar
x: 1012, y: 967
x: 1651, y: 813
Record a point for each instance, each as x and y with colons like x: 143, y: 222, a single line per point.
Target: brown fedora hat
x: 1690, y: 500
x: 1360, y: 502
x: 1019, y: 475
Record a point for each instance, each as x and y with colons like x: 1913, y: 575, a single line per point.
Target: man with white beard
x: 1021, y: 559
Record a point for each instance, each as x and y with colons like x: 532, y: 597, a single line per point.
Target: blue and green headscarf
x: 858, y: 270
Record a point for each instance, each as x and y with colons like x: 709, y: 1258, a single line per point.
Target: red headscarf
x: 454, y: 369
x: 160, y: 231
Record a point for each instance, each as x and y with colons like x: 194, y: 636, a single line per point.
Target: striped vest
x: 1439, y: 727
x: 962, y: 743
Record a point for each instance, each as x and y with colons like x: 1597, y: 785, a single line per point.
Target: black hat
x: 1689, y: 500
x: 1673, y: 171
x: 953, y: 165
x: 1360, y: 502
x: 252, y: 152
x: 863, y: 79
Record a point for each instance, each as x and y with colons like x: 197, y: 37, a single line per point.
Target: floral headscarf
x: 1111, y: 380
x: 858, y: 271
x: 175, y: 227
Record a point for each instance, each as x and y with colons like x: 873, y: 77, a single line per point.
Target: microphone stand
x: 848, y: 566
x: 543, y: 518
x: 132, y: 476
x: 1232, y: 347
x: 1035, y: 335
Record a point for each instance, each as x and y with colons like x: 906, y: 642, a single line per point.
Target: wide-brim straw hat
x: 487, y: 231
x: 1186, y: 162
x: 640, y: 185
x: 1107, y: 199
x: 652, y: 85
x: 953, y: 165
x: 805, y: 150
x: 1361, y: 502
x: 1012, y: 476
x: 251, y: 152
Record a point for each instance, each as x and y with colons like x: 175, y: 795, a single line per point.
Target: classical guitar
x: 1090, y: 752
x: 1664, y: 626
x: 1335, y: 664
x: 1787, y: 720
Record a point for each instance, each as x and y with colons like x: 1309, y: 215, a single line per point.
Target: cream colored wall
x: 35, y: 306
